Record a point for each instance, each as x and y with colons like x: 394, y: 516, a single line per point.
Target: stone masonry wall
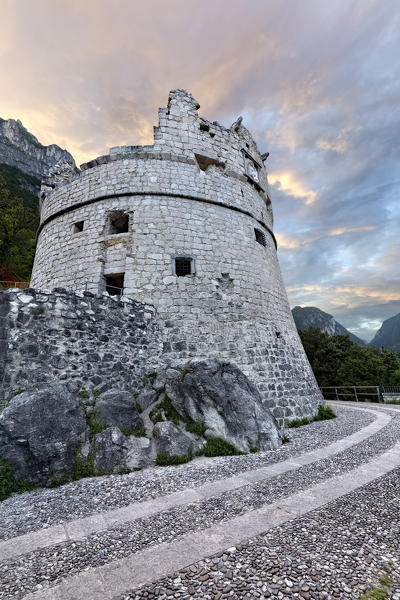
x: 107, y: 341
x: 59, y: 336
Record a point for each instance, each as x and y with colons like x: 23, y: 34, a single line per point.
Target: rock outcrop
x: 220, y: 397
x: 41, y: 431
x: 62, y: 432
x: 21, y: 149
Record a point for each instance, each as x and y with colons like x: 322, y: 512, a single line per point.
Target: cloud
x: 318, y: 84
x: 288, y: 182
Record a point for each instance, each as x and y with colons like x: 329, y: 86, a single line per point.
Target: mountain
x: 24, y: 165
x: 20, y: 149
x: 310, y: 316
x: 388, y: 336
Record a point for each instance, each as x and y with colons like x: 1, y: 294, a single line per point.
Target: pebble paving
x: 338, y: 551
x: 51, y: 565
x: 46, y: 507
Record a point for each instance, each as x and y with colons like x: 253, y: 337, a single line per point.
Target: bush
x: 164, y: 460
x: 218, y: 447
x: 9, y: 484
x: 324, y: 413
x: 196, y: 428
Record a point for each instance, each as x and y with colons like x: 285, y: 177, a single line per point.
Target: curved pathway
x: 109, y: 553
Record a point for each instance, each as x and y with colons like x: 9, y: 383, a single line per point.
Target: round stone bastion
x: 186, y: 226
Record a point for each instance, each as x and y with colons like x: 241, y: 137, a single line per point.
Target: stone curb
x: 78, y: 529
x: 108, y: 581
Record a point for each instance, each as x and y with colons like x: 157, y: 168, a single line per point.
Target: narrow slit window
x: 183, y: 266
x: 118, y: 222
x: 115, y: 283
x: 260, y: 237
x: 78, y: 226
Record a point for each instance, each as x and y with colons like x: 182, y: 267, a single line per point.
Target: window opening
x: 118, y: 222
x: 115, y: 284
x: 78, y: 227
x: 278, y: 334
x: 204, y: 127
x: 260, y: 237
x: 183, y: 266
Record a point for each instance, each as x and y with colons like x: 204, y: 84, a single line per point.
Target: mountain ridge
x: 388, y: 335
x: 21, y: 149
x: 311, y: 316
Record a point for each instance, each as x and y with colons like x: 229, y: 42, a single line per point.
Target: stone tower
x: 186, y: 225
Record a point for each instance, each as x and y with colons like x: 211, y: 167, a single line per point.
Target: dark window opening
x: 115, y: 284
x: 119, y: 222
x: 204, y: 127
x: 78, y: 227
x: 278, y: 334
x: 183, y: 266
x: 260, y: 237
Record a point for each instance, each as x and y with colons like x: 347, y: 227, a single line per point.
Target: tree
x: 336, y: 360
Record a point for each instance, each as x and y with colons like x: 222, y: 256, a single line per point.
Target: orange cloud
x: 292, y: 185
x: 342, y: 230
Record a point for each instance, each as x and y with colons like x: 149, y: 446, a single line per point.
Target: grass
x: 84, y: 394
x: 324, y: 413
x: 9, y: 484
x: 286, y: 439
x: 218, y: 447
x: 165, y: 460
x: 82, y: 469
x: 95, y: 424
x: 171, y: 414
x: 127, y: 431
x: 378, y: 592
x: 196, y: 428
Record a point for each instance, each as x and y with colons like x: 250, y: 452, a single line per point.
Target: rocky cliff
x: 388, y: 336
x: 310, y: 316
x: 20, y: 149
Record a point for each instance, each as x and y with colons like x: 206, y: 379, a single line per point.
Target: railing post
x: 355, y: 393
x: 336, y: 392
x: 379, y: 393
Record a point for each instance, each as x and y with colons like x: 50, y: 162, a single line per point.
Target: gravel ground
x: 52, y: 564
x: 45, y: 507
x: 338, y: 551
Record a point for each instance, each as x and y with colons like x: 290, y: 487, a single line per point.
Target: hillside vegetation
x: 19, y: 220
x: 336, y: 360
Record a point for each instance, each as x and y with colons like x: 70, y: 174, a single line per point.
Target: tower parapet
x: 186, y: 225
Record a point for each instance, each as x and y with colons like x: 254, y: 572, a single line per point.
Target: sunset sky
x: 318, y: 85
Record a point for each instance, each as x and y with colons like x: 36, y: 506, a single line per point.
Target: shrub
x: 196, y: 428
x: 164, y: 460
x: 324, y: 413
x: 218, y: 447
x: 9, y: 484
x: 285, y: 439
x: 127, y: 431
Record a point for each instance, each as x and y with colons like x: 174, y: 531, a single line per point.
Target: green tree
x: 336, y: 360
x: 18, y: 226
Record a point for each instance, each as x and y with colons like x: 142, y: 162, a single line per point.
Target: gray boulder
x: 170, y: 439
x: 40, y: 432
x: 116, y: 408
x: 220, y: 397
x: 115, y: 453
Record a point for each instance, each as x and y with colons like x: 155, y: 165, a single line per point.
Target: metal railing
x: 357, y: 393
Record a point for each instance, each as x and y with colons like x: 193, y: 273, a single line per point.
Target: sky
x: 318, y: 85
